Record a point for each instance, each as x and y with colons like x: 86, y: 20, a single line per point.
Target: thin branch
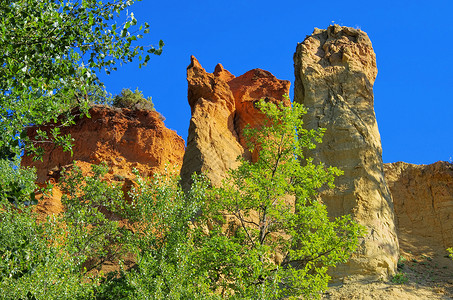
x: 242, y: 223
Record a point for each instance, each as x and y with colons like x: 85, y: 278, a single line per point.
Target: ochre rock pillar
x: 334, y: 74
x: 222, y: 105
x: 212, y: 144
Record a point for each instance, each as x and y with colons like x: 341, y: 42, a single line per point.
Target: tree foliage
x: 59, y: 258
x: 34, y: 262
x: 261, y: 235
x: 270, y: 237
x: 50, y: 52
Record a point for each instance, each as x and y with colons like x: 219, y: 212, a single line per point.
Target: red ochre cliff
x: 124, y: 139
x: 222, y: 105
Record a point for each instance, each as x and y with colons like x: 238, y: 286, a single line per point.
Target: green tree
x: 163, y: 242
x: 50, y: 52
x: 55, y: 258
x: 268, y: 209
x: 34, y: 262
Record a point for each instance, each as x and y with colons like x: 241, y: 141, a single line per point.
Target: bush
x: 133, y: 100
x: 400, y: 278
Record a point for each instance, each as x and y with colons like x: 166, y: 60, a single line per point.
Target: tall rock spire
x: 212, y: 143
x: 222, y: 105
x: 335, y: 70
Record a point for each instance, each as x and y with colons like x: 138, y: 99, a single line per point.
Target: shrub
x: 133, y: 100
x: 400, y: 278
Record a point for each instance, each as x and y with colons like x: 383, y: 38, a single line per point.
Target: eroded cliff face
x: 423, y: 199
x: 222, y: 105
x: 335, y: 70
x: 124, y: 139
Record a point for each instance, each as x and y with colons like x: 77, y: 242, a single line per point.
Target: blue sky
x: 412, y: 40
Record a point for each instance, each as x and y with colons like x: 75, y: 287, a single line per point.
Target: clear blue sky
x: 412, y: 40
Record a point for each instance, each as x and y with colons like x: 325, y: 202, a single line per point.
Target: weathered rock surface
x: 123, y: 138
x: 221, y: 106
x: 247, y: 89
x: 423, y: 199
x: 212, y: 144
x: 335, y: 70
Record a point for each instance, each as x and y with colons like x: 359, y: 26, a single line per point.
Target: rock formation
x: 423, y: 199
x: 221, y: 106
x: 212, y: 144
x: 335, y: 70
x: 123, y: 138
x: 249, y: 87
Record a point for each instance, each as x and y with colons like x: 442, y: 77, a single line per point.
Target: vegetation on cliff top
x: 134, y: 100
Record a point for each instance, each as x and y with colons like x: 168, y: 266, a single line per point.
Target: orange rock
x: 222, y: 105
x: 212, y: 144
x: 49, y: 204
x: 223, y: 74
x: 247, y: 90
x: 207, y: 86
x: 123, y: 138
